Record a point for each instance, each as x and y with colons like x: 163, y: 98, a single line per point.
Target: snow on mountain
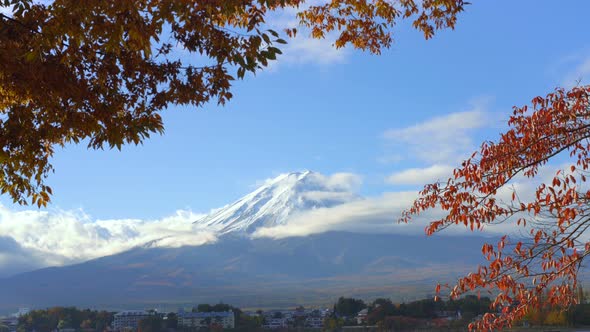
x: 279, y: 199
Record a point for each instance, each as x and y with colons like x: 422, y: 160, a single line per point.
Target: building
x: 449, y: 314
x: 275, y: 323
x: 224, y: 319
x: 361, y: 317
x: 315, y: 322
x: 129, y: 319
x: 10, y: 322
x: 315, y: 318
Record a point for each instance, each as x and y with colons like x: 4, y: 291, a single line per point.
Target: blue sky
x: 329, y: 111
x: 396, y: 121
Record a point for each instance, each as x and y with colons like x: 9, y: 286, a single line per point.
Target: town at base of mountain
x: 346, y: 314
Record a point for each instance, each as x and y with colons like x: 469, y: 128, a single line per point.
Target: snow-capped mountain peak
x: 275, y: 201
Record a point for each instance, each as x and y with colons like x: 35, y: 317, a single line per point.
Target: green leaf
x: 266, y: 38
x: 30, y: 56
x: 3, y: 156
x: 274, y: 33
x: 274, y: 50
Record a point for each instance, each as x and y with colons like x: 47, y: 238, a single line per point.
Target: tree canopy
x: 540, y: 268
x: 151, y: 324
x: 348, y: 306
x: 64, y: 317
x: 101, y: 72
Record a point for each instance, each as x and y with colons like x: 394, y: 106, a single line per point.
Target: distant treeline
x: 469, y: 306
x: 64, y: 318
x: 59, y: 318
x: 243, y: 322
x: 381, y: 312
x: 452, y: 313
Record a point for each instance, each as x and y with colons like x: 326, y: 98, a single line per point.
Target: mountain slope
x: 261, y: 272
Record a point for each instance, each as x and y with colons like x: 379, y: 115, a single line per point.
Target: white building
x: 315, y: 318
x: 361, y: 317
x: 129, y: 319
x: 225, y: 319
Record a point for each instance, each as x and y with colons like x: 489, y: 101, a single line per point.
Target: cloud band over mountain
x: 294, y: 204
x: 32, y: 238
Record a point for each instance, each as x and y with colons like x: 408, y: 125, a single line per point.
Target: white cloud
x: 188, y: 239
x: 421, y: 176
x: 362, y: 215
x: 303, y: 49
x: 60, y: 237
x: 580, y: 73
x: 339, y: 181
x: 323, y: 196
x: 443, y: 139
x: 372, y: 215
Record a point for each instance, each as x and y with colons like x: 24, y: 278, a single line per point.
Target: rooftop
x: 132, y: 313
x: 205, y: 314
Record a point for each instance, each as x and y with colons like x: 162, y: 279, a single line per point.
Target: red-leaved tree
x: 540, y: 269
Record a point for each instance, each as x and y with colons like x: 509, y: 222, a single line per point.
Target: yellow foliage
x: 556, y: 318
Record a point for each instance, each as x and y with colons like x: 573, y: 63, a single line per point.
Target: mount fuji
x: 256, y: 272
